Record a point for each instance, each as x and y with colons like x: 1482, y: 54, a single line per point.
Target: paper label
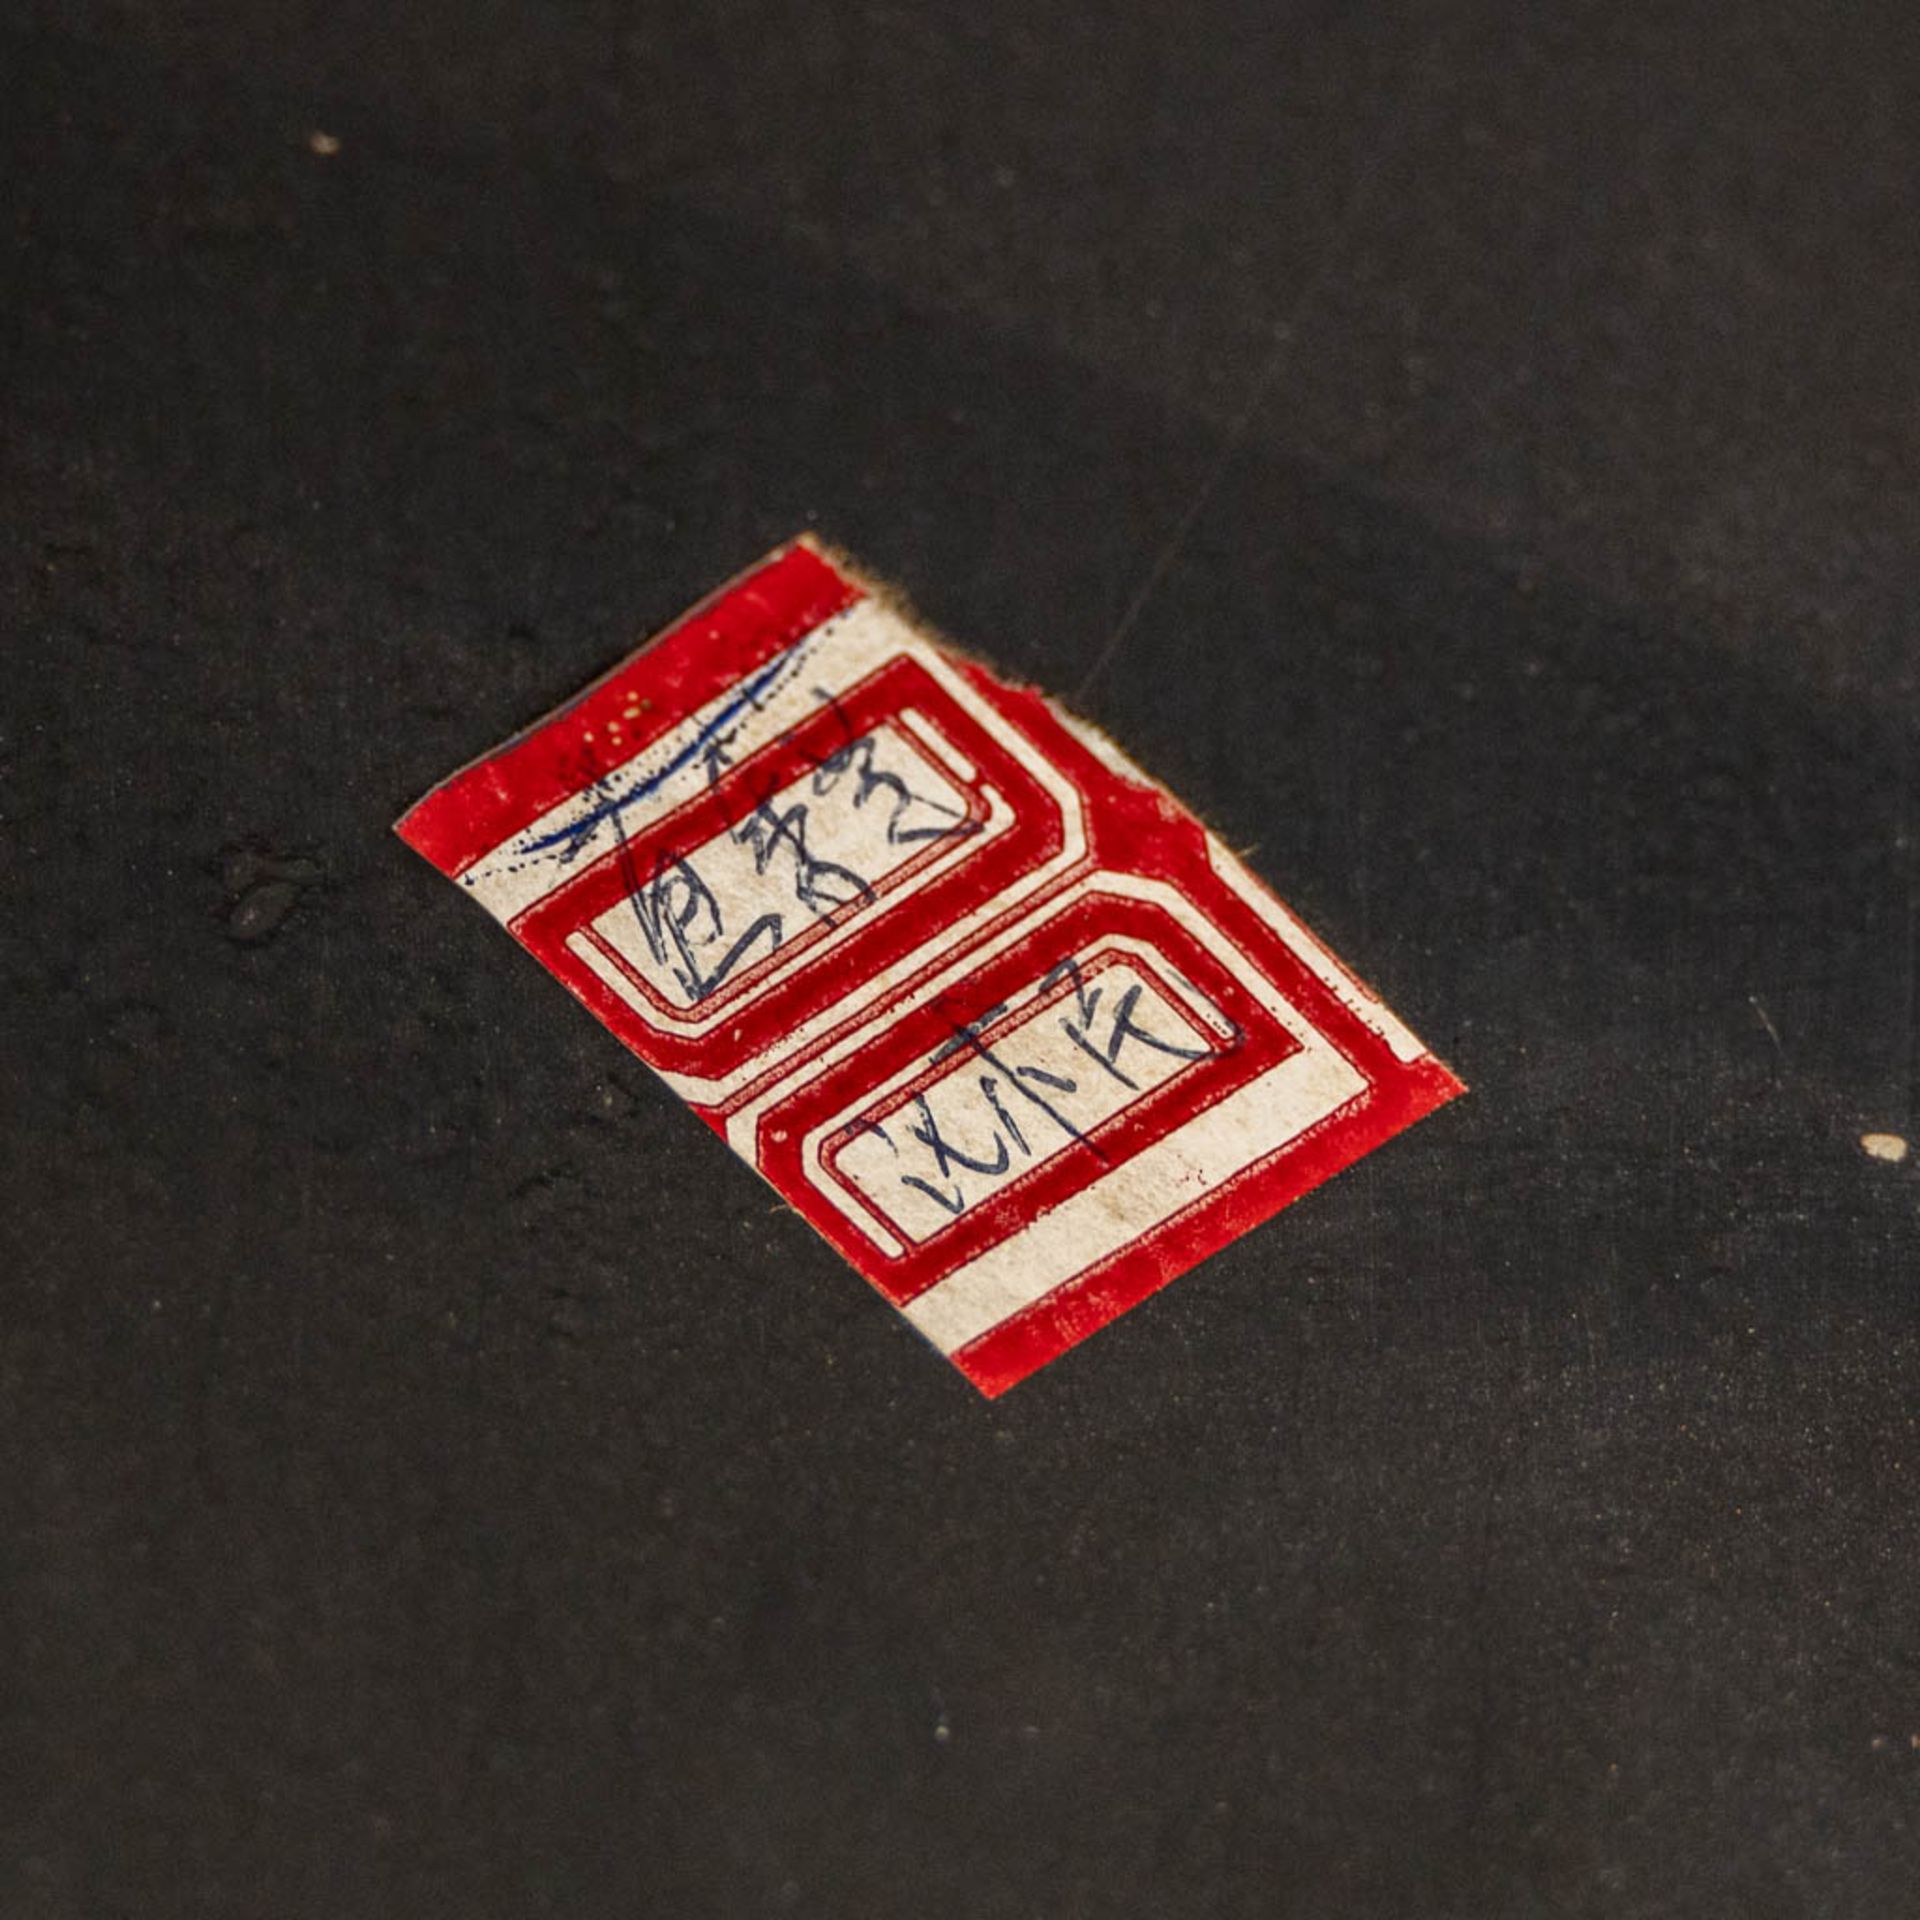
x: 985, y: 1005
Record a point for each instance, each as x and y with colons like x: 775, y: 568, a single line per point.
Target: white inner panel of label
x: 817, y: 848
x: 1016, y: 1097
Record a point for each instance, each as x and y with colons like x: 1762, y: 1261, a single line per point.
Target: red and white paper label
x: 987, y: 1006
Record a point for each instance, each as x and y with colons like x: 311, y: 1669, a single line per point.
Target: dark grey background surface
x: 1470, y: 454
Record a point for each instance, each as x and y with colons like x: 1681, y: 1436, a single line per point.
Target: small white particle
x: 1889, y: 1147
x: 326, y: 145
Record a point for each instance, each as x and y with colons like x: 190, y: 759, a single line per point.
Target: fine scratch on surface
x: 1766, y: 1020
x: 1285, y: 331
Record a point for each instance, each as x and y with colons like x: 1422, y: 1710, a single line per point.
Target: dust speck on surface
x: 1890, y: 1147
x: 326, y: 145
